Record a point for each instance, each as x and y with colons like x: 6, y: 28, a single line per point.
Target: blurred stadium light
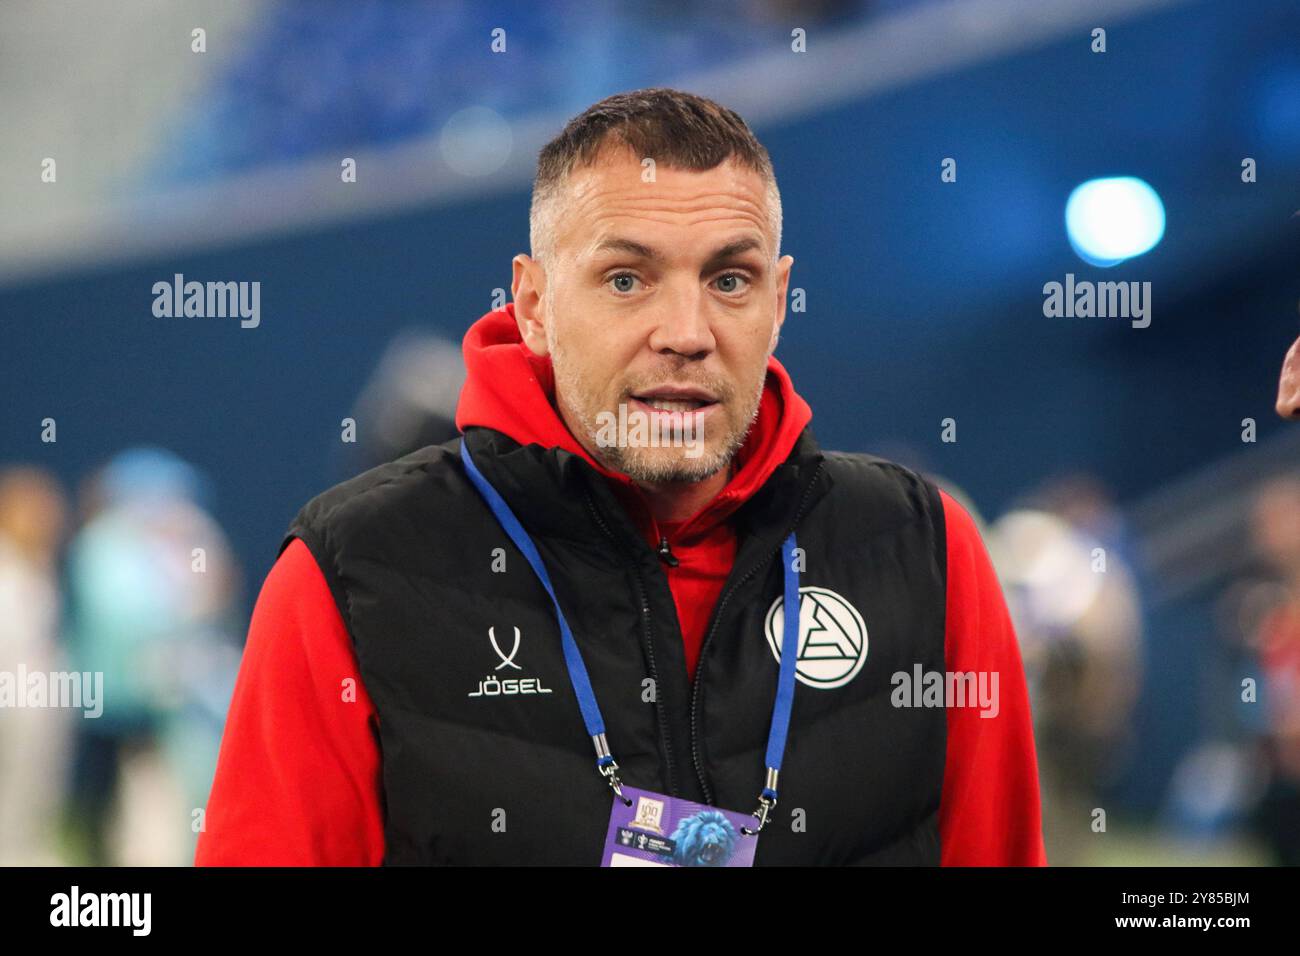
x: 1110, y: 220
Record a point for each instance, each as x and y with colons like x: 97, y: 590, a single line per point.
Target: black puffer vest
x: 485, y: 757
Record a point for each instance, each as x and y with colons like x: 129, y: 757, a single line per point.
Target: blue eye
x: 735, y: 276
x: 622, y: 277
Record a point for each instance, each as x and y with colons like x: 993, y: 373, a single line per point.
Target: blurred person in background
x: 410, y: 400
x: 1064, y: 564
x: 151, y: 587
x: 1288, y: 387
x: 32, y: 740
x: 1276, y: 638
x: 1276, y: 533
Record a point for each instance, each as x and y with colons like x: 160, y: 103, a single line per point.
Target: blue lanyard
x: 591, y: 715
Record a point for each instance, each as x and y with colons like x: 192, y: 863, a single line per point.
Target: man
x: 1288, y: 386
x: 409, y: 693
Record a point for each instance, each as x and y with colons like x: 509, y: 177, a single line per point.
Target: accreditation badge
x: 659, y: 830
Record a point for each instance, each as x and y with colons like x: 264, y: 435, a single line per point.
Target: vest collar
x: 552, y: 491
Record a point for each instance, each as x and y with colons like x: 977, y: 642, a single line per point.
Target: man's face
x: 1288, y: 389
x: 664, y: 297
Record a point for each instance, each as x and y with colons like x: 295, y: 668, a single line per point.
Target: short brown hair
x: 675, y: 128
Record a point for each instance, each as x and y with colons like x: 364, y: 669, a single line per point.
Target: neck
x: 678, y: 500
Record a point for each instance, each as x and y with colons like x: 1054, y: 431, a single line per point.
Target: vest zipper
x: 649, y: 644
x: 666, y: 553
x: 717, y: 618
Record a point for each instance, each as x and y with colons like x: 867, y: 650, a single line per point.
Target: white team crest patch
x: 832, y: 638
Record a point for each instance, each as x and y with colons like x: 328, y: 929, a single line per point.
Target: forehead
x: 610, y: 197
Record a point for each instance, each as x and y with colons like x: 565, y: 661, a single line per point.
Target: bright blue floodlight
x: 1110, y: 220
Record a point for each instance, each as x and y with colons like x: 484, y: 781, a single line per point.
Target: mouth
x: 673, y: 416
x: 674, y: 400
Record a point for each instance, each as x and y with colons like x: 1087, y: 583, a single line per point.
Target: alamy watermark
x: 1103, y: 300
x: 130, y: 910
x: 80, y: 690
x: 922, y: 688
x: 633, y: 428
x: 208, y: 300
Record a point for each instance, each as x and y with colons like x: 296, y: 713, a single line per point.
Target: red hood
x: 509, y: 389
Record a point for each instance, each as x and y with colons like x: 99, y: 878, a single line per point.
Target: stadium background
x: 924, y: 302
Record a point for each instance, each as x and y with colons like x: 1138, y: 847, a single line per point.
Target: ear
x: 783, y: 267
x: 527, y: 289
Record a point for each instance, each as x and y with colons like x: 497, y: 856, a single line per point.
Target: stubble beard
x: 662, y: 465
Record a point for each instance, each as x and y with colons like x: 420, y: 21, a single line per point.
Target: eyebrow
x: 642, y: 251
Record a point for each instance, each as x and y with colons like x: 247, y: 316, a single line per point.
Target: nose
x: 1288, y: 387
x: 683, y: 326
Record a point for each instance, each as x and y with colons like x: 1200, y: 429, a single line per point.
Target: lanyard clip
x: 765, y: 805
x: 610, y: 772
x: 608, y: 768
x: 766, y: 801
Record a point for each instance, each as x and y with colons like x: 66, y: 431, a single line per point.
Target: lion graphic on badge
x: 706, y: 839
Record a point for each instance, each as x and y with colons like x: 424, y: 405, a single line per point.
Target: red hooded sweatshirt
x: 299, y: 779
